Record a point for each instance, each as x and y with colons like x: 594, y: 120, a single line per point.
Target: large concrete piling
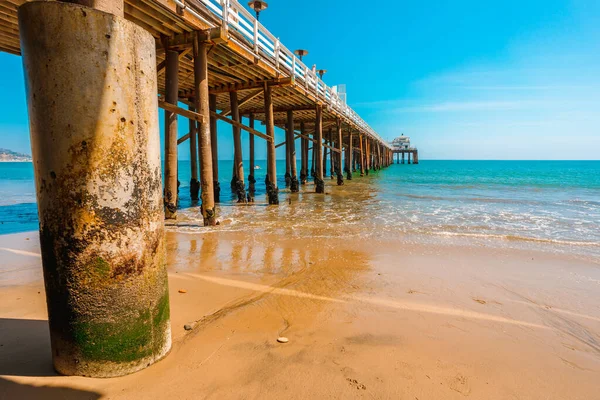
x: 212, y: 105
x: 294, y: 187
x: 171, y: 96
x: 200, y: 49
x: 318, y: 150
x: 272, y: 190
x: 91, y: 93
x: 238, y: 167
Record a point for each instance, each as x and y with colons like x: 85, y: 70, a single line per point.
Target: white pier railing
x: 255, y: 37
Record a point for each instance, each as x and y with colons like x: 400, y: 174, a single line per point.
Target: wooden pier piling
x: 303, y: 154
x: 318, y: 150
x: 200, y: 49
x: 349, y: 156
x: 171, y: 96
x: 294, y: 187
x: 251, y: 178
x: 214, y: 145
x: 194, y: 183
x: 331, y: 154
x: 340, y: 173
x: 272, y: 190
x: 238, y: 177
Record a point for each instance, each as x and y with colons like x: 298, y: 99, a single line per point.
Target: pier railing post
x: 93, y: 120
x: 202, y: 105
x: 240, y: 188
x: 271, y: 181
x: 318, y: 150
x: 292, y: 152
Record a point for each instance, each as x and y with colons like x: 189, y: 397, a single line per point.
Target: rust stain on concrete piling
x: 91, y: 80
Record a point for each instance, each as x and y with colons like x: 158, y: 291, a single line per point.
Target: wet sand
x: 365, y: 319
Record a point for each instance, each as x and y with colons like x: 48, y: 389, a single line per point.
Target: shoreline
x: 402, y: 320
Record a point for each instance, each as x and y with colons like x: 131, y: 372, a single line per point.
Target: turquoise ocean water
x: 553, y: 203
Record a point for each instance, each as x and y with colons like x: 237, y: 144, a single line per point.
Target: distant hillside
x: 8, y: 155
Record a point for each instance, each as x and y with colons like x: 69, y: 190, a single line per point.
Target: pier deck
x: 244, y: 57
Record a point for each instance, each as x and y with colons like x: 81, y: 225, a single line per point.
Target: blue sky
x: 464, y: 79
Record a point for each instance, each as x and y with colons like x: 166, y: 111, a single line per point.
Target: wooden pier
x: 96, y: 73
x: 401, y: 147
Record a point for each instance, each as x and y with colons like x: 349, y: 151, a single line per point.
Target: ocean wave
x: 474, y: 199
x: 517, y: 238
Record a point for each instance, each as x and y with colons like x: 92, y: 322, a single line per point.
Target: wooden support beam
x: 185, y: 40
x: 180, y: 111
x: 183, y: 138
x: 307, y: 107
x: 300, y: 135
x: 226, y: 111
x: 252, y: 85
x: 241, y: 126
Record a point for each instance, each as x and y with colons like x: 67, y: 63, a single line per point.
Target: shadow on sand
x: 14, y: 390
x: 25, y: 348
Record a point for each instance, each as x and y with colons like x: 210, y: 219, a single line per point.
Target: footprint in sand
x: 356, y: 384
x: 480, y: 301
x: 460, y: 384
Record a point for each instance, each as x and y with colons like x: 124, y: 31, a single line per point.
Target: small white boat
x: 256, y: 167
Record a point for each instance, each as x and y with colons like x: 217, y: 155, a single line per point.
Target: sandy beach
x: 378, y: 319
